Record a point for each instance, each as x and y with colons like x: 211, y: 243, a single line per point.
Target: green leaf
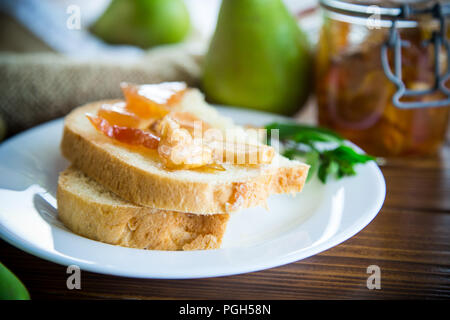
x: 292, y: 130
x: 308, y: 136
x: 338, y: 162
x: 313, y: 159
x: 346, y: 158
x: 347, y: 153
x: 345, y: 169
x: 326, y: 169
x: 293, y: 153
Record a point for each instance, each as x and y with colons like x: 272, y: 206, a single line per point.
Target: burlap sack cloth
x: 37, y: 87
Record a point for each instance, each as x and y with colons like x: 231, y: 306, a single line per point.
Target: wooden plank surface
x: 409, y: 240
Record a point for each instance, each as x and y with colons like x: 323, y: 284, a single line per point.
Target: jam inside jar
x: 355, y: 96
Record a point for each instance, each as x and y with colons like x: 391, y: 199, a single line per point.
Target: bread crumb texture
x: 90, y: 210
x: 140, y: 178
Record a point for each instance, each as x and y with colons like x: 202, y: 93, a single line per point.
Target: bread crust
x: 101, y: 159
x: 89, y: 210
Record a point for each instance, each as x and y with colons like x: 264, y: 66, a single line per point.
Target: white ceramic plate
x: 294, y: 228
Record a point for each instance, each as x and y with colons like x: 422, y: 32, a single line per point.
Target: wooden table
x: 409, y: 240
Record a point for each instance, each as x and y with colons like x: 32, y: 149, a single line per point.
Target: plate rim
x: 58, y: 258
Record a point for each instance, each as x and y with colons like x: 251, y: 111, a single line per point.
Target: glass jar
x: 376, y: 80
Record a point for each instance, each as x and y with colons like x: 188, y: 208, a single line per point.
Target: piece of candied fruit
x: 183, y: 141
x: 117, y: 114
x: 189, y: 121
x: 178, y: 149
x: 133, y: 136
x: 152, y: 100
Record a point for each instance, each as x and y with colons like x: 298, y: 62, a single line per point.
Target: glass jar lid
x: 400, y: 10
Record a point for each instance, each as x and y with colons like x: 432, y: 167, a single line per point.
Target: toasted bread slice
x: 140, y: 177
x: 90, y: 210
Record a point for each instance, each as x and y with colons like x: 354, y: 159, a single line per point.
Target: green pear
x: 258, y: 58
x: 11, y: 288
x: 143, y: 23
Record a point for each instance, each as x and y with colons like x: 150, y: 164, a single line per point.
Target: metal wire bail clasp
x: 438, y: 39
